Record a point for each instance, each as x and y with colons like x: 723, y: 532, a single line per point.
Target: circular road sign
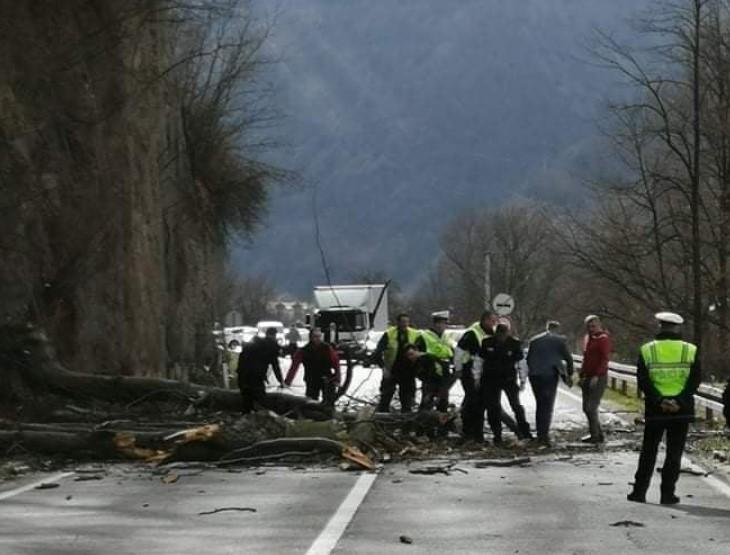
x: 503, y: 304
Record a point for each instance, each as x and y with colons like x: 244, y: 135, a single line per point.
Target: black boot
x: 636, y: 497
x: 669, y: 499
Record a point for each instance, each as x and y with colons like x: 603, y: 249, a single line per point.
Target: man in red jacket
x: 321, y: 368
x: 594, y: 374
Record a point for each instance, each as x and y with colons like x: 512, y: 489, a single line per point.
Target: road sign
x: 503, y: 304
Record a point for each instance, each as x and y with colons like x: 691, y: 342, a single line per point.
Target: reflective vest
x: 480, y: 334
x: 440, y: 347
x: 669, y: 362
x: 392, y: 349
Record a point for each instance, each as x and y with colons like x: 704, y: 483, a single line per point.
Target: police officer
x: 465, y: 356
x: 500, y: 354
x: 434, y: 342
x: 668, y: 374
x: 398, y: 370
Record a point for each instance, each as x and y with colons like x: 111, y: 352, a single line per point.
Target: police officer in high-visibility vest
x: 397, y: 369
x: 433, y: 341
x: 668, y: 374
x: 465, y: 354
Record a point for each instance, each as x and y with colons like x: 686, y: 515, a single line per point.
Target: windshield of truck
x: 345, y: 320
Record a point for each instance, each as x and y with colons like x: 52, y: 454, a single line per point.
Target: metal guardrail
x: 707, y: 398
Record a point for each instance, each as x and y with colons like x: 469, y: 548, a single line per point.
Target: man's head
x: 271, y: 333
x: 403, y: 321
x: 233, y: 344
x: 489, y: 320
x: 593, y: 323
x: 670, y: 322
x: 552, y: 326
x: 293, y: 327
x: 412, y: 353
x: 315, y: 336
x: 501, y: 332
x: 440, y: 321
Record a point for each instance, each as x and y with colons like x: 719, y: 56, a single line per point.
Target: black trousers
x: 253, y: 395
x: 676, y: 438
x: 472, y: 413
x: 492, y: 398
x: 320, y: 385
x: 435, y: 394
x: 545, y: 389
x: 405, y: 381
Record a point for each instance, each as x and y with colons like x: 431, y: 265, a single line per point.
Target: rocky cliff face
x: 92, y: 167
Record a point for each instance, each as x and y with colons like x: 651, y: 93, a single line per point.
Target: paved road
x: 557, y: 504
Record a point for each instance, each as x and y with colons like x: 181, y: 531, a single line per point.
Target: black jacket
x: 500, y: 358
x: 255, y: 359
x: 652, y: 398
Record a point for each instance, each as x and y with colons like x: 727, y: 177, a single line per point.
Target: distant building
x: 289, y: 312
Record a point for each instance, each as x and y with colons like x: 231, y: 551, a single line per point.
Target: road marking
x: 23, y: 489
x: 569, y: 394
x: 328, y: 538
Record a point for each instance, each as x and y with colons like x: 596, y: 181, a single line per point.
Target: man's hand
x: 593, y: 382
x: 669, y: 405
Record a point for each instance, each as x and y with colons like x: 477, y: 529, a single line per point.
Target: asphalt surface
x: 557, y: 503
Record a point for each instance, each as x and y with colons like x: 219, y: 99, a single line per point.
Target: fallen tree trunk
x: 26, y: 354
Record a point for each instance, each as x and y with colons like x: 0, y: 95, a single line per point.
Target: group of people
x: 320, y: 360
x: 485, y: 360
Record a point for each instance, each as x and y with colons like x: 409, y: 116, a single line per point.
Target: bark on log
x: 27, y: 353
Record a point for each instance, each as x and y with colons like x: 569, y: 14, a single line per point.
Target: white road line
x: 328, y: 538
x: 569, y: 394
x: 23, y: 489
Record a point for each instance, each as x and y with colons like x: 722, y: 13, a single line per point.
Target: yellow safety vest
x: 440, y: 347
x: 480, y: 335
x: 669, y: 362
x: 392, y: 349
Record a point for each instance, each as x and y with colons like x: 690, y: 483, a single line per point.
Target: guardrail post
x: 709, y: 414
x: 624, y: 387
x: 613, y: 383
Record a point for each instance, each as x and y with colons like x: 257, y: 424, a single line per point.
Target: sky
x: 397, y: 115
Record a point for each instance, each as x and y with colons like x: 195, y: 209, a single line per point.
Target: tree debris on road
x: 224, y: 509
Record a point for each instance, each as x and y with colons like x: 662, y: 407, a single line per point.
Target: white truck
x: 347, y: 314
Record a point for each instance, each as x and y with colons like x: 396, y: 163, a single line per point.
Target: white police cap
x: 440, y: 315
x: 669, y: 318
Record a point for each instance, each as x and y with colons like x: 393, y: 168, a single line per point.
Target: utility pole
x: 488, y: 281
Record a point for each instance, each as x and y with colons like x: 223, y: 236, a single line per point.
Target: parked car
x: 263, y: 325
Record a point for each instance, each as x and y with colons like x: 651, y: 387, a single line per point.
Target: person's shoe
x: 591, y: 439
x: 544, y: 441
x: 498, y: 440
x: 636, y: 497
x: 669, y: 499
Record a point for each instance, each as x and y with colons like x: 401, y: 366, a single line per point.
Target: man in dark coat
x: 668, y: 374
x: 548, y: 360
x: 465, y: 356
x: 500, y: 354
x: 253, y: 369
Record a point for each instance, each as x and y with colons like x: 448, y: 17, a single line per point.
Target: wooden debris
x: 224, y: 509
